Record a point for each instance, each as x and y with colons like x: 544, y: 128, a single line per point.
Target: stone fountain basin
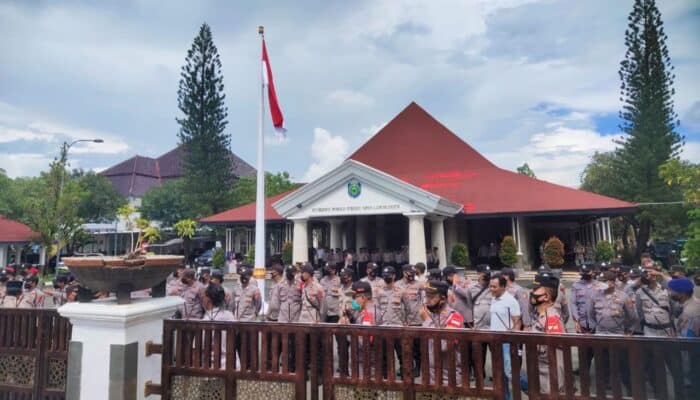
x: 115, y: 274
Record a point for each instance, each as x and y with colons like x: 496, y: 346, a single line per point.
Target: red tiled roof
x: 435, y: 159
x: 12, y: 231
x: 426, y: 154
x: 246, y: 213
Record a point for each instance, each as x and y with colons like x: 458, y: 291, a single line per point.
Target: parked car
x: 205, y: 259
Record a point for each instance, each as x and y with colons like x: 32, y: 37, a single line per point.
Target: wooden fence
x: 297, y: 361
x: 33, y: 354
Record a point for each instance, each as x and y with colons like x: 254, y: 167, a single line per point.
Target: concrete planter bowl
x: 123, y: 276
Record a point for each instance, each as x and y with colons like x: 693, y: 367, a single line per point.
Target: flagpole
x: 259, y: 271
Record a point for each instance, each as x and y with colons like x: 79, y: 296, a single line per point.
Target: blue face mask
x: 355, y: 305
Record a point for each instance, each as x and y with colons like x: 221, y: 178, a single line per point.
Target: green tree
x: 244, y: 190
x: 166, y: 203
x: 686, y: 176
x: 508, y: 252
x: 526, y: 170
x: 648, y: 119
x: 186, y: 228
x: 218, y: 258
x: 459, y: 255
x: 604, y: 251
x: 207, y: 163
x: 98, y: 200
x: 287, y: 253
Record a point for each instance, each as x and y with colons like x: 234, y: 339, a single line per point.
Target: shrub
x: 250, y: 256
x: 459, y: 255
x: 604, y: 251
x: 287, y: 251
x: 218, y: 259
x: 508, y: 252
x: 554, y: 252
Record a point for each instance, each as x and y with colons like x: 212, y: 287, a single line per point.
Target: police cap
x: 436, y: 287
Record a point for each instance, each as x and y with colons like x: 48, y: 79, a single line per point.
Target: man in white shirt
x: 505, y: 316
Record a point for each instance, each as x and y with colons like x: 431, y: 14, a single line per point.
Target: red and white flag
x: 277, y: 118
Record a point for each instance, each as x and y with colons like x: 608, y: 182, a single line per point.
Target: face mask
x: 388, y: 280
x: 535, y: 300
x: 435, y: 307
x: 245, y: 280
x: 372, y: 273
x: 184, y: 281
x: 675, y: 297
x: 586, y: 277
x: 410, y: 277
x: 355, y: 305
x: 27, y: 285
x: 290, y: 275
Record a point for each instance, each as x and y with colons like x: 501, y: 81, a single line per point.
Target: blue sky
x: 520, y: 80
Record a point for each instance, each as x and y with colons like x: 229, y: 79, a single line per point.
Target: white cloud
x: 9, y: 135
x: 372, y: 130
x: 23, y: 164
x: 327, y: 152
x: 691, y: 152
x: 350, y: 98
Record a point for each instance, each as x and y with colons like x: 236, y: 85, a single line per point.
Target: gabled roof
x: 428, y: 155
x: 246, y: 213
x: 137, y: 175
x: 12, y: 231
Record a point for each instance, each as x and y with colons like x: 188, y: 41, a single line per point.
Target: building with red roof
x: 14, y: 236
x: 414, y: 186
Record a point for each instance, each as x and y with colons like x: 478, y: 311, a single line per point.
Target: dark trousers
x: 332, y: 319
x: 362, y: 269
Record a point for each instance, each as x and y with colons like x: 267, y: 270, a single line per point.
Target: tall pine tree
x: 200, y: 97
x: 647, y: 115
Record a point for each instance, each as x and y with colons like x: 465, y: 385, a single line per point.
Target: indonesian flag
x: 277, y: 118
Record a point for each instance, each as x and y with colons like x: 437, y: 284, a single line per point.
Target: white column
x: 336, y: 235
x: 516, y: 235
x: 608, y: 229
x: 381, y: 238
x: 42, y: 255
x: 3, y: 255
x: 18, y: 254
x: 108, y: 336
x: 438, y: 238
x: 300, y: 249
x: 360, y: 233
x: 416, y: 238
x: 450, y: 236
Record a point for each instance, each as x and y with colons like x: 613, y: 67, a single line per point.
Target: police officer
x: 173, y: 283
x: 217, y: 277
x: 582, y: 291
x: 277, y: 275
x: 438, y: 314
x: 561, y: 301
x: 413, y: 301
x: 290, y: 296
x: 392, y: 309
x: 13, y: 295
x: 362, y: 312
x: 610, y: 310
x: 623, y: 276
x: 480, y: 298
x: 546, y: 318
x: 459, y: 294
x: 330, y: 310
x: 520, y: 293
x: 33, y: 297
x: 191, y: 292
x: 246, y: 297
x: 345, y: 291
x: 56, y: 296
x: 311, y: 296
x: 687, y: 326
x: 654, y: 307
x: 373, y: 279
x: 3, y: 280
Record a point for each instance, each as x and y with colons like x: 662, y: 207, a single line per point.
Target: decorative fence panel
x: 33, y: 354
x: 224, y: 360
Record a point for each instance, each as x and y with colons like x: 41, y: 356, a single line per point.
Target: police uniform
x: 32, y: 299
x: 549, y: 322
x: 459, y: 298
x: 246, y: 302
x: 582, y: 291
x: 653, y: 308
x: 331, y: 303
x: 688, y: 322
x: 13, y: 295
x: 275, y: 304
x: 290, y: 299
x: 446, y: 318
x: 521, y: 295
x: 220, y: 314
x: 612, y: 313
x: 480, y: 297
x: 311, y: 298
x: 391, y: 306
x: 376, y: 283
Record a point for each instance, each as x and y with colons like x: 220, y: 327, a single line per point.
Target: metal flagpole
x: 259, y: 271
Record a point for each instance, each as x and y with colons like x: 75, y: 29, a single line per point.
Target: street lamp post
x: 65, y: 147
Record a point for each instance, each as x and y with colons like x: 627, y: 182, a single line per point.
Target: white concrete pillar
x: 451, y: 237
x: 360, y: 233
x: 108, y: 346
x: 3, y: 255
x: 608, y: 229
x: 300, y: 249
x: 416, y: 238
x: 336, y: 226
x: 437, y: 224
x: 517, y: 234
x: 379, y: 230
x: 18, y: 254
x: 42, y: 255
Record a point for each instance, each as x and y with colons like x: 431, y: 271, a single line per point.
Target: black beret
x: 545, y: 279
x: 409, y: 268
x: 449, y: 270
x: 388, y: 270
x: 360, y: 287
x: 308, y: 268
x: 483, y: 268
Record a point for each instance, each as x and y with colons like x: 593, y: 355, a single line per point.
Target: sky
x: 520, y: 80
